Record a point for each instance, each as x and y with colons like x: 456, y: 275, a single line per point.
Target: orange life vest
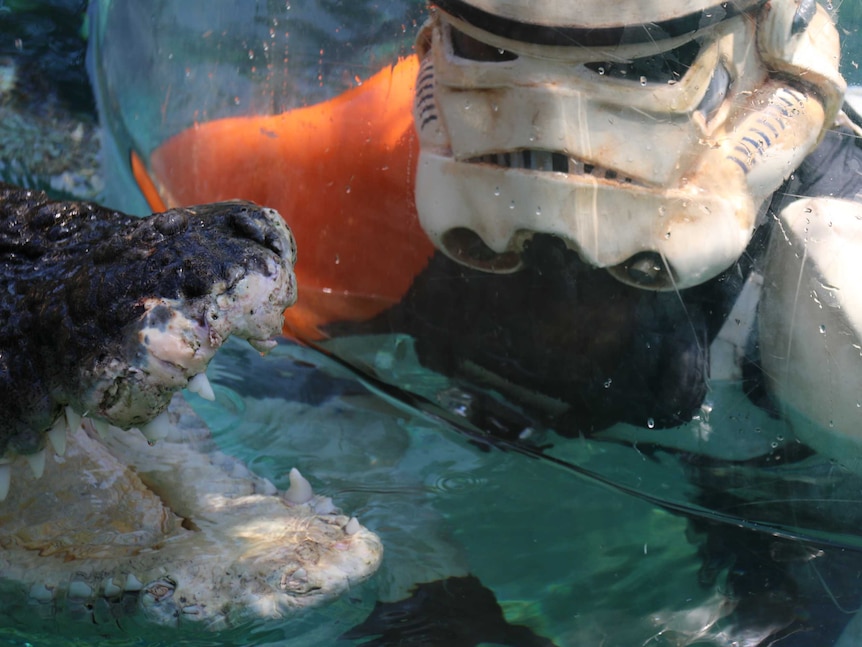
x: 341, y: 173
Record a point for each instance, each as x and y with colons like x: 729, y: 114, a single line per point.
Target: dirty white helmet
x: 647, y: 135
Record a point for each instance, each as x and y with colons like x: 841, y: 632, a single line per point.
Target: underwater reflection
x: 562, y: 553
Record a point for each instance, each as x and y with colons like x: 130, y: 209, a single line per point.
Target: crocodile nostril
x: 171, y: 222
x: 252, y: 224
x: 161, y: 589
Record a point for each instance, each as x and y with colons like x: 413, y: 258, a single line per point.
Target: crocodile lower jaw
x: 210, y: 543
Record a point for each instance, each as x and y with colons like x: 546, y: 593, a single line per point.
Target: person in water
x: 593, y: 218
x: 555, y: 204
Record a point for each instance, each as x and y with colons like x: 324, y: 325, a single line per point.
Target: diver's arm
x: 811, y: 323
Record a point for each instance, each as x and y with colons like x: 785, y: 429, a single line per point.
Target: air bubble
x: 607, y: 384
x: 601, y: 71
x: 650, y: 423
x: 822, y: 329
x: 497, y: 191
x: 643, y: 80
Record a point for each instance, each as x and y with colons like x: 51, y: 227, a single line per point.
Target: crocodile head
x: 103, y: 318
x: 107, y: 315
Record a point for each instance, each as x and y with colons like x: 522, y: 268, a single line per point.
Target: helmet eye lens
x: 666, y: 67
x: 467, y: 47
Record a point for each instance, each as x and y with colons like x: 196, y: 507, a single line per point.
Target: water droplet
x: 650, y: 423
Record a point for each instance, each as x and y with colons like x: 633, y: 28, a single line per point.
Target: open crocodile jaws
x: 177, y: 533
x: 103, y: 318
x: 106, y: 315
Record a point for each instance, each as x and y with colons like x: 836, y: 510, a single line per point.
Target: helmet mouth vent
x: 551, y: 162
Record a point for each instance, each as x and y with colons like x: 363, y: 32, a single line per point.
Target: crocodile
x: 114, y: 500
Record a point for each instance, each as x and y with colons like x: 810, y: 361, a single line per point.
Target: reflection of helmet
x: 650, y: 147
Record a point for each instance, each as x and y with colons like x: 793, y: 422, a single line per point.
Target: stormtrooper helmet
x: 646, y: 134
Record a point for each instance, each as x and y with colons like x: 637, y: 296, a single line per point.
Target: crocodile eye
x: 467, y: 47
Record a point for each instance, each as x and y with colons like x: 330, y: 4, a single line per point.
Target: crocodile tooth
x: 352, y: 526
x: 263, y: 345
x: 133, y: 583
x: 5, y: 480
x: 201, y: 385
x: 57, y: 433
x: 324, y: 505
x: 73, y: 418
x: 37, y: 463
x: 41, y: 593
x: 102, y: 427
x: 111, y: 590
x: 300, y: 489
x: 157, y: 428
x: 79, y: 590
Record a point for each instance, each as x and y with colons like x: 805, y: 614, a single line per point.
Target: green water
x: 572, y: 542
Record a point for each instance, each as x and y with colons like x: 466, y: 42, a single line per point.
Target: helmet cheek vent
x: 467, y: 247
x: 646, y: 270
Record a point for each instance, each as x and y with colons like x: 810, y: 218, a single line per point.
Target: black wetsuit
x: 599, y: 351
